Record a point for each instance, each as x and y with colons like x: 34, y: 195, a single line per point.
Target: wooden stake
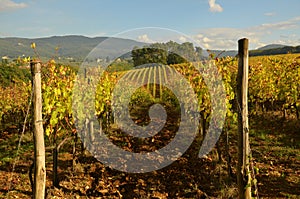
x: 243, y: 171
x: 38, y: 133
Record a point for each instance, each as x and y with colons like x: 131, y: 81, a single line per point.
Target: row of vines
x: 273, y: 86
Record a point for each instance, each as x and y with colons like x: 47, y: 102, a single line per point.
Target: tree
x: 149, y: 55
x: 199, y: 52
x: 166, y: 53
x: 174, y: 58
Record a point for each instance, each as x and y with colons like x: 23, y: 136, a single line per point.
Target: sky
x: 213, y: 24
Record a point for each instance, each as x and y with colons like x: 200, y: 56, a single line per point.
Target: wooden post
x: 55, y: 181
x: 38, y: 133
x: 243, y: 171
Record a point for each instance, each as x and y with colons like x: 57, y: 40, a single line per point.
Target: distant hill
x: 275, y: 49
x: 271, y: 49
x: 271, y: 46
x: 72, y: 47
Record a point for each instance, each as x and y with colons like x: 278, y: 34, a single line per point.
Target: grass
x: 276, y: 154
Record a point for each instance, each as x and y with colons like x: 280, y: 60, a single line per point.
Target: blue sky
x: 214, y: 24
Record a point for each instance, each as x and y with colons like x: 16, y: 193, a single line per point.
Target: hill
x: 71, y: 47
x: 76, y: 48
x: 271, y: 46
x: 274, y: 49
x: 271, y: 49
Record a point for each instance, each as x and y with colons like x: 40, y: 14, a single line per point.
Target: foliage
x: 174, y: 58
x: 185, y: 50
x: 12, y: 73
x: 14, y: 101
x: 149, y: 55
x: 120, y: 65
x: 274, y: 83
x: 57, y: 87
x: 166, y: 53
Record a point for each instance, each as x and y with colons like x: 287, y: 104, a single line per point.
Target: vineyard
x: 72, y: 172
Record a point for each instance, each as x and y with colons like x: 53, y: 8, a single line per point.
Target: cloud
x: 199, y: 36
x: 288, y: 39
x: 282, y: 25
x: 182, y: 39
x: 220, y: 38
x: 145, y: 38
x: 7, y: 5
x: 226, y: 38
x: 207, y: 40
x: 214, y: 7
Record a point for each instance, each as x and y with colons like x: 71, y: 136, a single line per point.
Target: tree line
x: 167, y: 53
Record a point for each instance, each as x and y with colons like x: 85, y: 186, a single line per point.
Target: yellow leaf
x: 32, y: 45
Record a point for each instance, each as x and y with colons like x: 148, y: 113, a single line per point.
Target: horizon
x: 92, y: 37
x: 214, y: 24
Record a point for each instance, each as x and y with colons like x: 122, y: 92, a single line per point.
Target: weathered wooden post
x: 243, y: 171
x: 38, y: 133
